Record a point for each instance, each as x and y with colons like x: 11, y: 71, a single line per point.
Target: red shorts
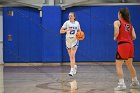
x: 125, y: 50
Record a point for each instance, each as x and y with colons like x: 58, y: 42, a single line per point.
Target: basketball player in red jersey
x: 124, y: 33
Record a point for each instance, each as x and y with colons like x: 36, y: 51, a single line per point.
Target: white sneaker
x: 135, y: 85
x: 75, y: 69
x: 71, y: 73
x: 120, y: 87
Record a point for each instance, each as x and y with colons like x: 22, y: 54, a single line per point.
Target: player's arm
x: 133, y: 34
x: 63, y: 30
x: 116, y: 29
x: 79, y: 28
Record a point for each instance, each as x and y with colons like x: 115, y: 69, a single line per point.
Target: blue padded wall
x: 103, y: 47
x: 23, y: 33
x: 51, y: 22
x: 37, y: 39
x: 24, y: 26
x: 10, y: 28
x: 97, y: 23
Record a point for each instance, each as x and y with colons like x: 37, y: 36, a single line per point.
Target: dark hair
x: 73, y: 14
x: 125, y: 14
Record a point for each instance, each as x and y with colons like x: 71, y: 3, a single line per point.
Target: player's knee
x: 72, y: 56
x: 118, y: 65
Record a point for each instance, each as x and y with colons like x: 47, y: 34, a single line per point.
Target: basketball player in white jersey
x: 70, y: 27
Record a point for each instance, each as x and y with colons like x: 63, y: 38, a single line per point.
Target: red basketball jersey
x: 125, y: 32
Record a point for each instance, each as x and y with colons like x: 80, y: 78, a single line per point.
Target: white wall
x: 1, y: 80
x: 95, y: 1
x: 1, y: 37
x: 31, y: 1
x: 52, y: 2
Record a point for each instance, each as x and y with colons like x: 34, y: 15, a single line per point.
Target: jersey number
x: 72, y: 32
x: 127, y: 27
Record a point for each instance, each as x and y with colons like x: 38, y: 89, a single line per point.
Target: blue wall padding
x: 23, y: 34
x: 97, y: 23
x: 10, y: 28
x: 24, y: 26
x: 38, y: 39
x: 51, y: 22
x: 36, y: 42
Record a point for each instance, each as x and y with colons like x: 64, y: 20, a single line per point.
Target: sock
x: 72, y: 69
x: 134, y: 79
x: 121, y: 80
x: 75, y: 66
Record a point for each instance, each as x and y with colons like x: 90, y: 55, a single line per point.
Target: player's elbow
x: 134, y: 37
x: 115, y: 38
x: 61, y: 31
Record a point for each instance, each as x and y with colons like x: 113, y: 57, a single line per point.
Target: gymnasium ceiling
x: 63, y: 3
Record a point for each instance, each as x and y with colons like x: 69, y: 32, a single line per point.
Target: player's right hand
x: 69, y: 29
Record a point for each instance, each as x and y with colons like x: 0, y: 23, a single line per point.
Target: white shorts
x: 72, y: 42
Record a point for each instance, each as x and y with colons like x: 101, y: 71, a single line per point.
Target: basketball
x: 80, y: 35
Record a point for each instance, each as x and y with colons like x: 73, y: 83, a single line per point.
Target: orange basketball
x: 80, y: 35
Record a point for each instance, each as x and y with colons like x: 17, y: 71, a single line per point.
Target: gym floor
x: 97, y: 78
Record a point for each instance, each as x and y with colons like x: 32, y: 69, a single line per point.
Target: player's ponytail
x: 125, y: 14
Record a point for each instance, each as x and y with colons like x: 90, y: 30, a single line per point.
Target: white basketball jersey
x: 75, y: 26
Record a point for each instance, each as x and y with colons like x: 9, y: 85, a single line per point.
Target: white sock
x: 72, y: 69
x: 134, y: 79
x: 121, y: 81
x: 75, y: 66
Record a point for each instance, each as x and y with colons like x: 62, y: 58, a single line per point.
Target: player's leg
x: 119, y: 70
x: 72, y: 61
x: 71, y: 53
x: 121, y: 55
x: 131, y: 67
x: 129, y: 63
